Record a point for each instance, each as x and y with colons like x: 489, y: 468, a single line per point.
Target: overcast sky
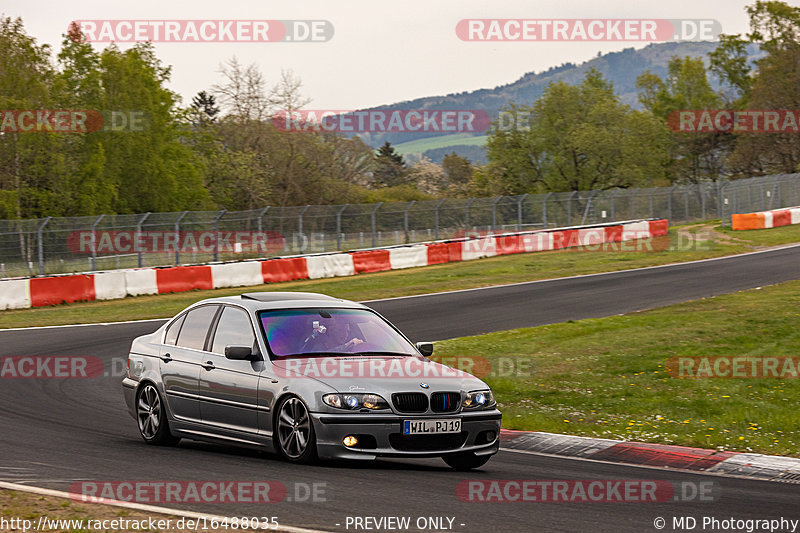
x: 382, y: 52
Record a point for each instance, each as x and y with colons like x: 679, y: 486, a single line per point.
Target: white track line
x: 141, y: 507
x: 549, y: 280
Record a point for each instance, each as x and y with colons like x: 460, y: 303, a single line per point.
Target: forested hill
x: 621, y: 68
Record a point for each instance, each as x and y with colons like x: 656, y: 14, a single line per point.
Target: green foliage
x: 573, y: 138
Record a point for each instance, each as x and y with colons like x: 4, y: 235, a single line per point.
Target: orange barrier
x: 747, y: 221
x: 180, y: 279
x: 62, y: 289
x: 288, y: 269
x: 371, y: 261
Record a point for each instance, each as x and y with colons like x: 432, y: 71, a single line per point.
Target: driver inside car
x: 338, y: 336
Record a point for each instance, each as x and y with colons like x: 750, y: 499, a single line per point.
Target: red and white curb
x: 752, y: 465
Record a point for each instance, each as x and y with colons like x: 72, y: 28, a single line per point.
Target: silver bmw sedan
x: 309, y: 377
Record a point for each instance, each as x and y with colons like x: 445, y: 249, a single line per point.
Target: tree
x: 695, y: 156
x: 390, y: 167
x: 574, y: 138
x: 243, y: 92
x: 204, y: 108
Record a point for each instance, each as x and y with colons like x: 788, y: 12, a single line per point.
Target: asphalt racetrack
x: 59, y: 431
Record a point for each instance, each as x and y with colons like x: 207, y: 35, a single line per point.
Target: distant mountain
x: 621, y: 68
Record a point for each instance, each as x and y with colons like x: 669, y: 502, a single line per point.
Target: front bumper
x: 380, y: 435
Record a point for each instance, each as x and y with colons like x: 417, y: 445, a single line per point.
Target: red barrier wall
x: 371, y: 261
x: 179, y: 279
x: 62, y: 289
x: 287, y: 269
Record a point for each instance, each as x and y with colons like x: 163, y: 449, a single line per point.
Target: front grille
x: 427, y: 443
x: 445, y: 402
x: 410, y: 402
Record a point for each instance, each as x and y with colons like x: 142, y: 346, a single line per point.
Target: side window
x: 172, y: 331
x: 195, y: 327
x: 233, y: 328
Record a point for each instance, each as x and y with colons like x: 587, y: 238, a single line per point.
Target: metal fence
x: 78, y: 244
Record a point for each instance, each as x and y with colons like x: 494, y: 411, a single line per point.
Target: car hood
x: 379, y: 374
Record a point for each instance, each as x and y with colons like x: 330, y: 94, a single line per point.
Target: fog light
x: 350, y: 441
x: 490, y: 436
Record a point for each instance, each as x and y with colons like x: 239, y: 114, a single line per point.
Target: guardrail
x: 109, y: 285
x: 107, y: 242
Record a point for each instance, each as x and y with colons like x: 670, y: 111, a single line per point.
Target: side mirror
x: 238, y: 353
x: 425, y: 348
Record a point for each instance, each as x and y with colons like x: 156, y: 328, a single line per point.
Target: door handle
x: 209, y: 365
x: 166, y: 358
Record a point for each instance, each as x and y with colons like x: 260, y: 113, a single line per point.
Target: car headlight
x: 479, y: 399
x: 356, y: 401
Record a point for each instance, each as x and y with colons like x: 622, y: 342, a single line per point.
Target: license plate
x: 429, y: 426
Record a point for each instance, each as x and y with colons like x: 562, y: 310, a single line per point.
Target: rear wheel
x: 466, y: 461
x: 294, y: 432
x: 152, y: 417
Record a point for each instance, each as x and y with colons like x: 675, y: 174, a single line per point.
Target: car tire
x: 466, y: 461
x: 151, y: 417
x: 294, y: 435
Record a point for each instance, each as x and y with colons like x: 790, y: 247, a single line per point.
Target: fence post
x: 544, y: 209
x: 41, y: 245
x: 466, y: 216
x: 686, y: 202
x: 494, y: 212
x: 94, y: 242
x: 519, y: 211
x: 569, y: 208
x: 436, y: 218
x: 589, y: 203
x: 702, y: 202
x: 613, y: 196
x: 405, y: 218
x: 139, y: 256
x: 339, y: 226
x: 372, y: 217
x: 215, y: 225
x: 178, y: 237
x: 300, y: 226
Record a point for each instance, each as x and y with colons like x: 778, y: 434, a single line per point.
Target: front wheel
x: 294, y: 432
x: 152, y: 417
x: 466, y: 461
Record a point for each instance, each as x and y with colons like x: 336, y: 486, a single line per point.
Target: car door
x: 229, y: 388
x: 181, y: 355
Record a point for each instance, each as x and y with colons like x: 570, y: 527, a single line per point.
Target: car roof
x: 258, y: 301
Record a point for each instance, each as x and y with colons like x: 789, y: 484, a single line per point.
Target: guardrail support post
x: 300, y: 226
x: 94, y: 242
x: 519, y: 211
x: 339, y: 226
x: 544, y: 209
x: 178, y: 237
x: 215, y: 225
x: 40, y: 245
x: 139, y: 256
x: 436, y: 219
x: 405, y: 218
x: 372, y: 220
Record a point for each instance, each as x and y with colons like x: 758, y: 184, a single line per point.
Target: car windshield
x: 309, y: 332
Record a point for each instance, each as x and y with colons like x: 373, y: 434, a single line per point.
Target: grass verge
x: 607, y: 378
x: 703, y: 242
